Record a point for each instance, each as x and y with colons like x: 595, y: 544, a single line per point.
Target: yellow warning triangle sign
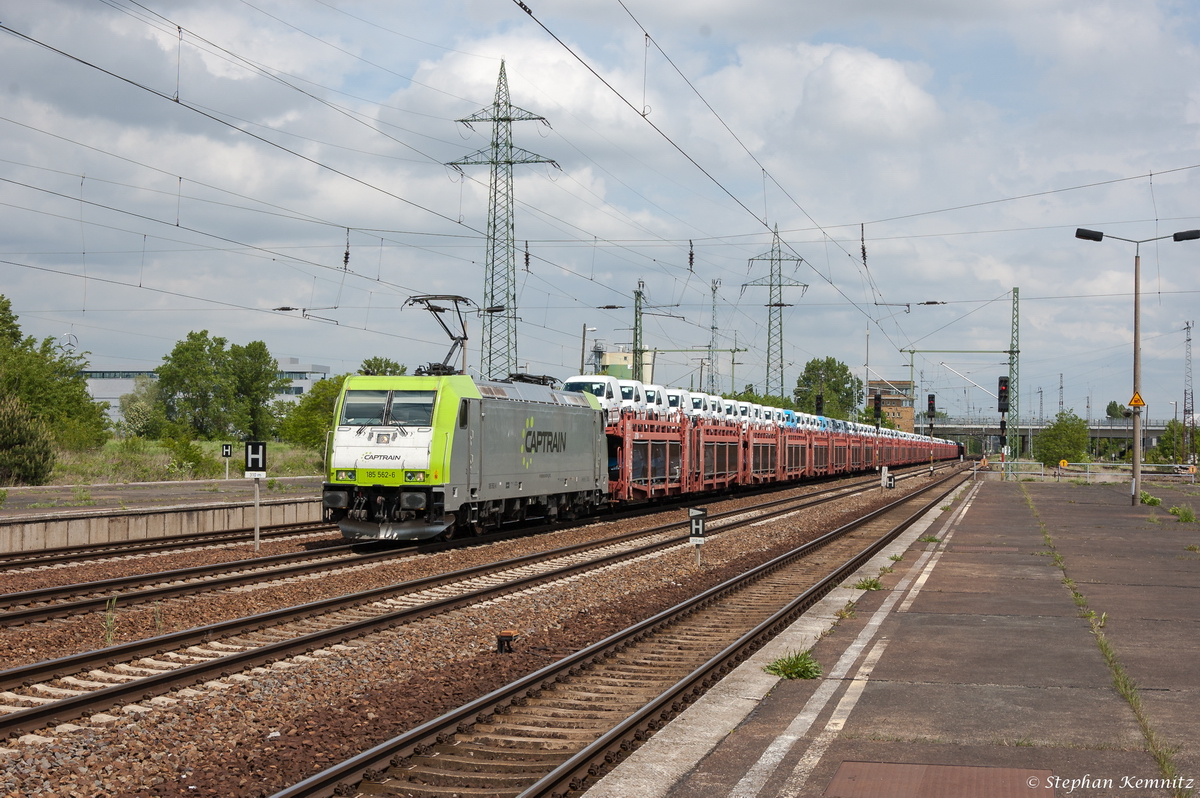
x: 1136, y: 401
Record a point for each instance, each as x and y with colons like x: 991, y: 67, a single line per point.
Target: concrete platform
x: 976, y: 673
x: 35, y: 518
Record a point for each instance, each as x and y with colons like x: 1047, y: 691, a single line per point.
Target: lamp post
x: 583, y: 345
x: 1096, y: 235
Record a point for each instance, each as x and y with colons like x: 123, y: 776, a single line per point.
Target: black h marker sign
x: 256, y: 459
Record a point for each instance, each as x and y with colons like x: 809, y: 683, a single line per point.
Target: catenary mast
x: 499, y: 339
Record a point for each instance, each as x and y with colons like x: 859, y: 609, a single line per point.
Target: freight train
x: 422, y: 457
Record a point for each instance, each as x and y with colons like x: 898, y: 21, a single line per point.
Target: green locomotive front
x: 412, y: 458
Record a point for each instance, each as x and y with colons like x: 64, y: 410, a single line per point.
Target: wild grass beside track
x: 137, y: 460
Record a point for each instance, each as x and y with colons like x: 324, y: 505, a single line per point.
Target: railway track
x: 552, y: 732
x: 12, y: 560
x: 44, y: 604
x: 59, y: 690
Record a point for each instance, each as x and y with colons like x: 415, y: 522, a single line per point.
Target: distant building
x: 619, y: 364
x: 109, y: 384
x: 302, y: 375
x: 897, y: 401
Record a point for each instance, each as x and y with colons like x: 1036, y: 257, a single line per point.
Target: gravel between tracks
x: 275, y: 726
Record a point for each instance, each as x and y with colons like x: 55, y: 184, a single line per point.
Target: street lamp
x: 1096, y: 235
x: 583, y: 345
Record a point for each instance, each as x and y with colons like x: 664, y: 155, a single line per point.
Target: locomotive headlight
x: 414, y: 476
x: 344, y: 475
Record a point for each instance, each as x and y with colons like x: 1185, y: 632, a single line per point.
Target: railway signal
x: 932, y: 406
x: 820, y: 408
x: 1002, y: 395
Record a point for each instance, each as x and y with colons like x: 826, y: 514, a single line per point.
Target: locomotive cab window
x: 411, y: 409
x: 388, y: 408
x: 364, y: 407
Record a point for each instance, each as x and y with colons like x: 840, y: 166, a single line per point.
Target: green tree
x: 10, y: 332
x: 867, y: 416
x: 312, y: 417
x: 142, y: 413
x: 1170, y: 445
x: 256, y: 382
x: 1065, y: 439
x: 26, y: 446
x: 1115, y: 409
x: 49, y: 382
x: 196, y: 387
x: 833, y: 379
x: 382, y: 367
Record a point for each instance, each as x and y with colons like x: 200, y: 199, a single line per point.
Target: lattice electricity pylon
x: 499, y: 339
x: 639, y: 310
x: 776, y: 282
x: 714, y: 375
x: 1013, y: 439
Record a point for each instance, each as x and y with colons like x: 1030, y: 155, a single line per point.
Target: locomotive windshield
x: 388, y: 408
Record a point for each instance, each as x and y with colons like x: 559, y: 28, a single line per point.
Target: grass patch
x: 846, y: 612
x: 3, y: 497
x: 868, y: 583
x: 944, y: 508
x: 1147, y: 499
x: 1185, y: 514
x: 895, y: 557
x: 795, y: 665
x: 928, y: 539
x: 1192, y: 547
x: 136, y: 459
x: 886, y: 569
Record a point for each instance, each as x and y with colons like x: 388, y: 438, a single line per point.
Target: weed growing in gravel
x: 1185, y: 514
x: 1192, y: 547
x: 927, y: 539
x: 944, y: 508
x: 110, y: 621
x: 895, y: 557
x: 886, y: 569
x: 868, y: 583
x: 1154, y: 519
x: 3, y: 497
x: 1147, y: 499
x: 795, y: 665
x: 847, y: 611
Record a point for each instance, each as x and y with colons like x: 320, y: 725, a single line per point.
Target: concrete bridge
x: 962, y: 427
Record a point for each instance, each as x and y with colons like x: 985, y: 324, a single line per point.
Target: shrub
x: 1185, y: 514
x: 1147, y: 499
x: 868, y: 583
x: 795, y: 665
x: 26, y: 445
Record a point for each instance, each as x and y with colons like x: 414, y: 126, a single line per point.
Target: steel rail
x: 243, y: 574
x: 339, y: 779
x: 67, y: 709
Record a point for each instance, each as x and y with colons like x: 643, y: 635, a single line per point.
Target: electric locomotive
x: 420, y: 457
